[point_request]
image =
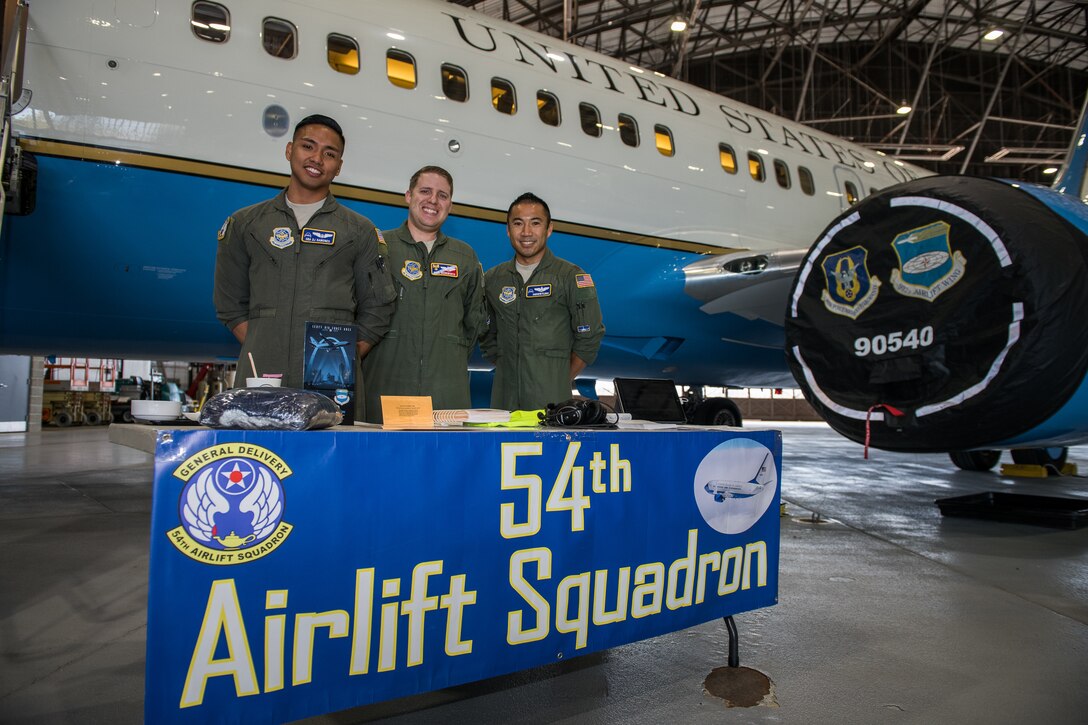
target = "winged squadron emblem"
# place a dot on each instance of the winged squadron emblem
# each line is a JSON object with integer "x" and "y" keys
{"x": 233, "y": 504}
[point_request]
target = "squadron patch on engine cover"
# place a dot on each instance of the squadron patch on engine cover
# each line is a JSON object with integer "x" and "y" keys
{"x": 927, "y": 265}
{"x": 850, "y": 288}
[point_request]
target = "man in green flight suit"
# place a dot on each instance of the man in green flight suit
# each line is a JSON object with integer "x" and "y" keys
{"x": 440, "y": 305}
{"x": 301, "y": 257}
{"x": 545, "y": 321}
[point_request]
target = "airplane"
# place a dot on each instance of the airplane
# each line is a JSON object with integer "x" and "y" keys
{"x": 962, "y": 329}
{"x": 723, "y": 489}
{"x": 140, "y": 126}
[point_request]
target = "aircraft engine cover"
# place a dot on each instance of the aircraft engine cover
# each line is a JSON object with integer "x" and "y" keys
{"x": 959, "y": 302}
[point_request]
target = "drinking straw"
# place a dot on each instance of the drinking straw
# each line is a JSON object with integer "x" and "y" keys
{"x": 253, "y": 365}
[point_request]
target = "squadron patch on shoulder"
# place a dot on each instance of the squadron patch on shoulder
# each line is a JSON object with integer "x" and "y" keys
{"x": 412, "y": 270}
{"x": 538, "y": 290}
{"x": 508, "y": 295}
{"x": 850, "y": 288}
{"x": 223, "y": 229}
{"x": 443, "y": 269}
{"x": 318, "y": 236}
{"x": 281, "y": 237}
{"x": 583, "y": 280}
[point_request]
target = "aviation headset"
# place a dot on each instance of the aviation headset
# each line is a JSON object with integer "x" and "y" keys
{"x": 579, "y": 413}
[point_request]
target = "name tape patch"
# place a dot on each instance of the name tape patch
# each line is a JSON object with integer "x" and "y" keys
{"x": 538, "y": 290}
{"x": 443, "y": 269}
{"x": 318, "y": 236}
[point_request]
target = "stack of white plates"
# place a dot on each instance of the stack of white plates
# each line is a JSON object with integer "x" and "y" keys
{"x": 156, "y": 411}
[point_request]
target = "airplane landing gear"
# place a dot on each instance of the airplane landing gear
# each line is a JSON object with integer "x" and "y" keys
{"x": 975, "y": 460}
{"x": 1041, "y": 456}
{"x": 710, "y": 411}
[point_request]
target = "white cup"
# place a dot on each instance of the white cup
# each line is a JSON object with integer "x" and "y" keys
{"x": 262, "y": 382}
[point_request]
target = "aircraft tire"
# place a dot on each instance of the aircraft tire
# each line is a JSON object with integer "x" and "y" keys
{"x": 975, "y": 460}
{"x": 62, "y": 419}
{"x": 718, "y": 411}
{"x": 1041, "y": 456}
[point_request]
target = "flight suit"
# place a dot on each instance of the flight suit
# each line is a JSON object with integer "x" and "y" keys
{"x": 534, "y": 327}
{"x": 278, "y": 277}
{"x": 440, "y": 309}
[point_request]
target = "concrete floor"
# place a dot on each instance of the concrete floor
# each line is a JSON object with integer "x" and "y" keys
{"x": 888, "y": 612}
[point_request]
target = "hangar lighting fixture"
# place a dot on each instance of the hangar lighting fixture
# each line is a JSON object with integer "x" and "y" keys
{"x": 993, "y": 34}
{"x": 678, "y": 25}
{"x": 1050, "y": 170}
{"x": 903, "y": 109}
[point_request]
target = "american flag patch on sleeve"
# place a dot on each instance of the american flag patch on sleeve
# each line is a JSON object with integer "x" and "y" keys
{"x": 583, "y": 280}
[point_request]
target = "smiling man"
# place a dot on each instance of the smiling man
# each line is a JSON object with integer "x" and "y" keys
{"x": 301, "y": 257}
{"x": 544, "y": 317}
{"x": 439, "y": 304}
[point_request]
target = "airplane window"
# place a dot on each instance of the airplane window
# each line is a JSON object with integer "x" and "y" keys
{"x": 628, "y": 129}
{"x": 782, "y": 173}
{"x": 591, "y": 119}
{"x": 454, "y": 83}
{"x": 805, "y": 177}
{"x": 728, "y": 157}
{"x": 343, "y": 54}
{"x": 210, "y": 21}
{"x": 547, "y": 105}
{"x": 400, "y": 68}
{"x": 755, "y": 167}
{"x": 502, "y": 96}
{"x": 851, "y": 192}
{"x": 663, "y": 136}
{"x": 278, "y": 37}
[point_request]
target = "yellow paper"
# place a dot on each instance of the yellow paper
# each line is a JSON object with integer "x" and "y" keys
{"x": 407, "y": 411}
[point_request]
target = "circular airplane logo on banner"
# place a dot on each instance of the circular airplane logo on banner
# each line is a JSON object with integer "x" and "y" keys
{"x": 735, "y": 485}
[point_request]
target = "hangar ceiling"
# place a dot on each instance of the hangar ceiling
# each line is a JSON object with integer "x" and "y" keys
{"x": 1000, "y": 107}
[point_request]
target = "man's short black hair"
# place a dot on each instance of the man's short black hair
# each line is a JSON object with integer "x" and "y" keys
{"x": 317, "y": 119}
{"x": 530, "y": 198}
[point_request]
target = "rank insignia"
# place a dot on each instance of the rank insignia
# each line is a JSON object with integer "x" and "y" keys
{"x": 412, "y": 270}
{"x": 318, "y": 236}
{"x": 281, "y": 237}
{"x": 508, "y": 295}
{"x": 443, "y": 269}
{"x": 583, "y": 280}
{"x": 538, "y": 290}
{"x": 927, "y": 264}
{"x": 850, "y": 288}
{"x": 223, "y": 229}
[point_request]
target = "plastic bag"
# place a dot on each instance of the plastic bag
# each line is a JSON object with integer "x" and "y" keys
{"x": 270, "y": 409}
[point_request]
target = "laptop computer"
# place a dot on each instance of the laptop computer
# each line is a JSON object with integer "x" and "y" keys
{"x": 649, "y": 399}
